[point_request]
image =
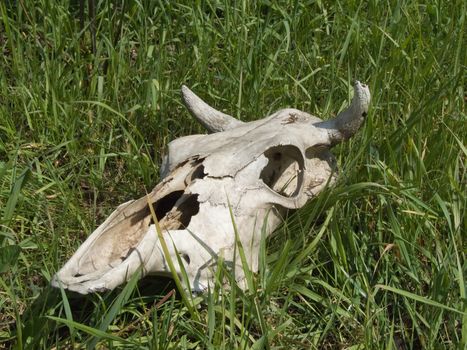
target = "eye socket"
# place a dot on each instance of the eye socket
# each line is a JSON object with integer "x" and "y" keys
{"x": 283, "y": 172}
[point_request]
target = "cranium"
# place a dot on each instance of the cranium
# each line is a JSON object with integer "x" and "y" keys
{"x": 247, "y": 174}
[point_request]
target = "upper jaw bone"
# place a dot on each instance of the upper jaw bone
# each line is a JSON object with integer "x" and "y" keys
{"x": 148, "y": 257}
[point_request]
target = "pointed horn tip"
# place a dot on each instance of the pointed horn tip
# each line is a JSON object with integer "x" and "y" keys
{"x": 362, "y": 95}
{"x": 347, "y": 122}
{"x": 185, "y": 90}
{"x": 189, "y": 98}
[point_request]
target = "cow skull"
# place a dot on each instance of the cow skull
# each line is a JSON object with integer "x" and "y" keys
{"x": 247, "y": 174}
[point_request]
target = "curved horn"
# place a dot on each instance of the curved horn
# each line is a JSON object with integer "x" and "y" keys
{"x": 210, "y": 118}
{"x": 347, "y": 122}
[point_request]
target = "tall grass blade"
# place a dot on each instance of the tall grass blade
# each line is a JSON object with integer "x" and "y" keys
{"x": 416, "y": 297}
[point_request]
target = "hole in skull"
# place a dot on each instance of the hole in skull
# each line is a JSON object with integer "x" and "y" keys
{"x": 165, "y": 204}
{"x": 186, "y": 257}
{"x": 317, "y": 151}
{"x": 188, "y": 207}
{"x": 198, "y": 173}
{"x": 282, "y": 171}
{"x": 320, "y": 154}
{"x": 175, "y": 210}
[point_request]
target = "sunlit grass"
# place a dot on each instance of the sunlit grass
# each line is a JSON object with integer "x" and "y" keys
{"x": 376, "y": 262}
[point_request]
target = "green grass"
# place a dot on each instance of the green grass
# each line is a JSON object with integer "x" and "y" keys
{"x": 377, "y": 262}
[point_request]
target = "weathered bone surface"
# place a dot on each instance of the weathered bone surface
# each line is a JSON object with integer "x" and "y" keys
{"x": 258, "y": 169}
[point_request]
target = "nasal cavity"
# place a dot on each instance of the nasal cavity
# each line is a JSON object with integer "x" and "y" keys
{"x": 174, "y": 211}
{"x": 198, "y": 173}
{"x": 165, "y": 204}
{"x": 187, "y": 207}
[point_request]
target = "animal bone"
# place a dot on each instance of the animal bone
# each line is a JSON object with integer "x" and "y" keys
{"x": 256, "y": 171}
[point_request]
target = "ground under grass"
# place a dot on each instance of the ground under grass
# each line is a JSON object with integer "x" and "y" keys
{"x": 89, "y": 99}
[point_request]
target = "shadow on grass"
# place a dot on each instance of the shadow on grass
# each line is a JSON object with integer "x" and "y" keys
{"x": 150, "y": 292}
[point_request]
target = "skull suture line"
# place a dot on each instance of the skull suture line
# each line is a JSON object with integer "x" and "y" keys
{"x": 260, "y": 169}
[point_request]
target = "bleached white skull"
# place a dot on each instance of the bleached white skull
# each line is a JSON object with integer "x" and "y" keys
{"x": 249, "y": 174}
